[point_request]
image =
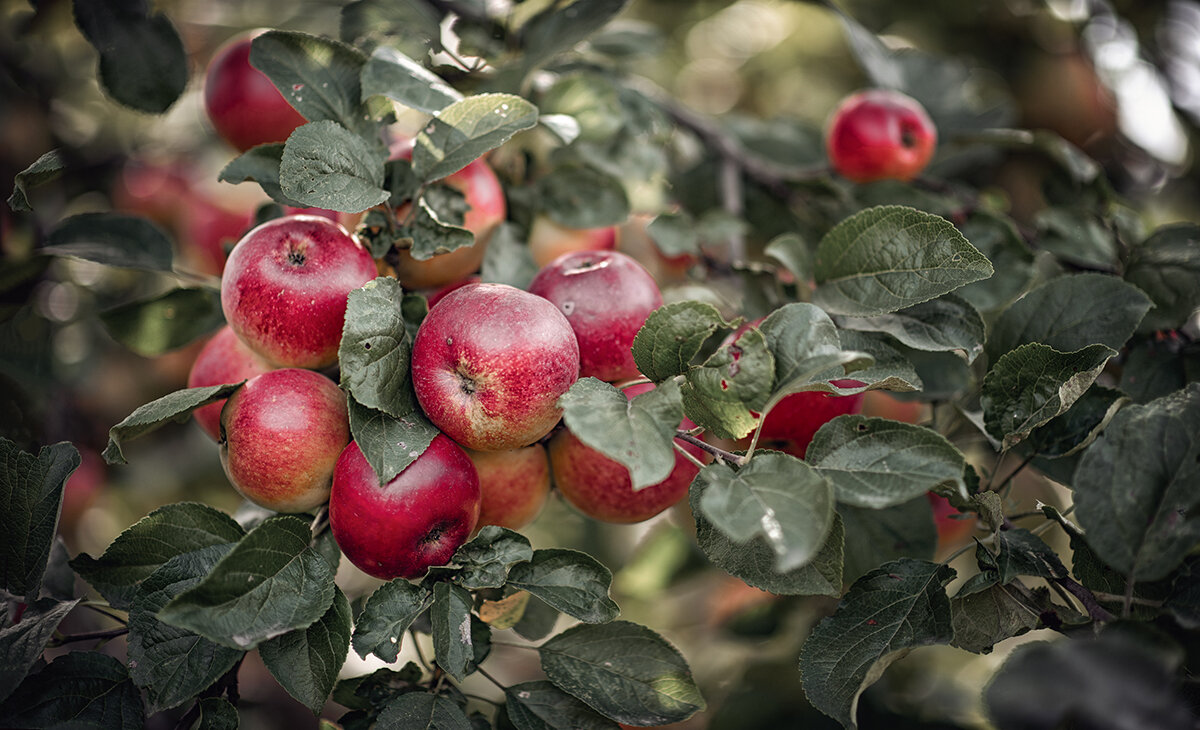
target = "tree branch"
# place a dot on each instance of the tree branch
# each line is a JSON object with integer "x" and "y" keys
{"x": 719, "y": 453}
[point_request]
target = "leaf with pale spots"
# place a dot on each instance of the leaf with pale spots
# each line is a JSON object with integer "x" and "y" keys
{"x": 450, "y": 615}
{"x": 389, "y": 443}
{"x": 375, "y": 347}
{"x": 724, "y": 394}
{"x": 671, "y": 337}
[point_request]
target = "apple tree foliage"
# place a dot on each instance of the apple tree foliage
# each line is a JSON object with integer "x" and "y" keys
{"x": 1056, "y": 348}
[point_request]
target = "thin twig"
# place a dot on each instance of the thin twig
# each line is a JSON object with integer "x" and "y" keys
{"x": 500, "y": 642}
{"x": 1114, "y": 598}
{"x": 490, "y": 678}
{"x": 688, "y": 455}
{"x": 1094, "y": 609}
{"x": 90, "y": 636}
{"x": 718, "y": 452}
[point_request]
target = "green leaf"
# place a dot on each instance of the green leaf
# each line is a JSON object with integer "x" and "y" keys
{"x": 143, "y": 63}
{"x": 172, "y": 664}
{"x": 22, "y": 643}
{"x": 623, "y": 671}
{"x": 271, "y": 583}
{"x": 436, "y": 227}
{"x": 674, "y": 234}
{"x": 463, "y": 131}
{"x": 59, "y": 580}
{"x": 1070, "y": 313}
{"x": 777, "y": 498}
{"x": 422, "y": 711}
{"x": 319, "y": 77}
{"x": 1023, "y": 553}
{"x": 998, "y": 239}
{"x": 171, "y": 530}
{"x": 1167, "y": 267}
{"x": 389, "y": 612}
{"x": 877, "y": 463}
{"x": 570, "y": 581}
{"x": 672, "y": 335}
{"x": 790, "y": 250}
{"x": 1077, "y": 235}
{"x": 563, "y": 126}
{"x": 324, "y": 165}
{"x": 507, "y": 260}
{"x": 807, "y": 350}
{"x": 1135, "y": 486}
{"x": 175, "y": 406}
{"x": 538, "y": 620}
{"x": 76, "y": 690}
{"x": 151, "y": 327}
{"x": 373, "y": 355}
{"x": 451, "y": 618}
{"x": 1035, "y": 383}
{"x": 390, "y": 73}
{"x": 1076, "y": 429}
{"x": 486, "y": 560}
{"x": 385, "y": 19}
{"x": 390, "y": 444}
{"x": 948, "y": 323}
{"x": 899, "y": 606}
{"x": 306, "y": 662}
{"x": 636, "y": 432}
{"x": 539, "y": 705}
{"x": 890, "y": 257}
{"x": 260, "y": 164}
{"x": 559, "y": 29}
{"x": 894, "y": 366}
{"x": 44, "y": 169}
{"x": 882, "y": 535}
{"x": 370, "y": 691}
{"x": 577, "y": 196}
{"x": 725, "y": 394}
{"x": 112, "y": 239}
{"x": 31, "y": 491}
{"x": 1154, "y": 368}
{"x": 984, "y": 618}
{"x": 217, "y": 713}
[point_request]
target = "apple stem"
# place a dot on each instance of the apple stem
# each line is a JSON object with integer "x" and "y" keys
{"x": 719, "y": 453}
{"x": 688, "y": 455}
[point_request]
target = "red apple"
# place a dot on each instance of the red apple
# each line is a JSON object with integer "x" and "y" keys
{"x": 414, "y": 521}
{"x": 224, "y": 359}
{"x": 880, "y": 134}
{"x": 208, "y": 229}
{"x": 285, "y": 287}
{"x": 245, "y": 107}
{"x": 606, "y": 296}
{"x": 281, "y": 435}
{"x": 792, "y": 423}
{"x": 548, "y": 240}
{"x": 435, "y": 297}
{"x": 953, "y": 527}
{"x": 152, "y": 189}
{"x": 489, "y": 364}
{"x": 601, "y": 488}
{"x": 514, "y": 485}
{"x": 882, "y": 404}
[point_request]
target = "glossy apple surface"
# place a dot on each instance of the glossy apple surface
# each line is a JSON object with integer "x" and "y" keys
{"x": 606, "y": 296}
{"x": 489, "y": 364}
{"x": 285, "y": 287}
{"x": 514, "y": 485}
{"x": 416, "y": 520}
{"x": 548, "y": 240}
{"x": 880, "y": 134}
{"x": 244, "y": 106}
{"x": 281, "y": 435}
{"x": 224, "y": 359}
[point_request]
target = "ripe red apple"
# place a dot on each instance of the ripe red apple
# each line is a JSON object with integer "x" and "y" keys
{"x": 880, "y": 134}
{"x": 953, "y": 527}
{"x": 882, "y": 404}
{"x": 208, "y": 229}
{"x": 790, "y": 426}
{"x": 601, "y": 488}
{"x": 224, "y": 359}
{"x": 606, "y": 296}
{"x": 285, "y": 287}
{"x": 489, "y": 364}
{"x": 514, "y": 485}
{"x": 281, "y": 435}
{"x": 548, "y": 240}
{"x": 414, "y": 521}
{"x": 245, "y": 107}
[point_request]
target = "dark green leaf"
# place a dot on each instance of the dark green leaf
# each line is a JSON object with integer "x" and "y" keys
{"x": 59, "y": 581}
{"x": 22, "y": 643}
{"x": 985, "y": 617}
{"x": 260, "y": 164}
{"x": 1023, "y": 553}
{"x": 947, "y": 323}
{"x": 31, "y": 491}
{"x": 466, "y": 129}
{"x": 1135, "y": 486}
{"x": 888, "y": 258}
{"x": 1079, "y": 426}
{"x": 807, "y": 350}
{"x": 422, "y": 711}
{"x": 559, "y": 28}
{"x": 790, "y": 250}
{"x": 487, "y": 558}
{"x": 153, "y": 326}
{"x": 899, "y": 606}
{"x": 624, "y": 671}
{"x": 998, "y": 239}
{"x": 306, "y": 662}
{"x": 674, "y": 234}
{"x": 389, "y": 444}
{"x": 539, "y": 705}
{"x": 416, "y": 23}
{"x": 507, "y": 260}
{"x": 1183, "y": 602}
{"x": 217, "y": 713}
{"x": 317, "y": 76}
{"x": 326, "y": 166}
{"x": 636, "y": 432}
{"x": 376, "y": 688}
{"x": 1077, "y": 235}
{"x": 537, "y": 621}
{"x": 1154, "y": 368}
{"x": 894, "y": 367}
{"x": 577, "y": 196}
{"x": 725, "y": 394}
{"x": 877, "y": 463}
{"x": 375, "y": 347}
{"x": 1070, "y": 313}
{"x": 113, "y": 239}
{"x": 672, "y": 336}
{"x": 172, "y": 664}
{"x": 451, "y": 618}
{"x": 1035, "y": 383}
{"x": 175, "y": 406}
{"x": 882, "y": 535}
{"x": 572, "y": 582}
{"x": 436, "y": 227}
{"x": 44, "y": 169}
{"x": 1167, "y": 267}
{"x": 390, "y": 73}
{"x": 77, "y": 690}
{"x": 389, "y": 612}
{"x": 143, "y": 63}
{"x": 271, "y": 583}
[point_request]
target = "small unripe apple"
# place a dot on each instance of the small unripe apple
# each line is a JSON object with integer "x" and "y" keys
{"x": 415, "y": 521}
{"x": 548, "y": 240}
{"x": 281, "y": 435}
{"x": 880, "y": 134}
{"x": 224, "y": 359}
{"x": 285, "y": 287}
{"x": 244, "y": 106}
{"x": 606, "y": 296}
{"x": 514, "y": 485}
{"x": 600, "y": 487}
{"x": 489, "y": 363}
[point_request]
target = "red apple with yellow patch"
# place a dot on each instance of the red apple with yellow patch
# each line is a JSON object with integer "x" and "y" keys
{"x": 224, "y": 359}
{"x": 514, "y": 485}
